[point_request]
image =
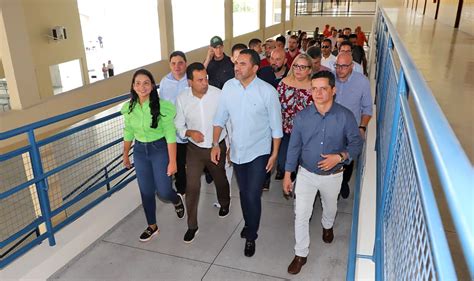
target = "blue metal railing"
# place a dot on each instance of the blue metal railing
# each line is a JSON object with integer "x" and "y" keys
{"x": 34, "y": 191}
{"x": 410, "y": 240}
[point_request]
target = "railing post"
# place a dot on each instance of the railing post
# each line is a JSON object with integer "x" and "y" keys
{"x": 106, "y": 175}
{"x": 41, "y": 187}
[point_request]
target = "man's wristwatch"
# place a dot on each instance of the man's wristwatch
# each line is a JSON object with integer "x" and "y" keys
{"x": 215, "y": 144}
{"x": 342, "y": 157}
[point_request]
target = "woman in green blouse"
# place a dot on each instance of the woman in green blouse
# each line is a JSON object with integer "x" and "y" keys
{"x": 150, "y": 122}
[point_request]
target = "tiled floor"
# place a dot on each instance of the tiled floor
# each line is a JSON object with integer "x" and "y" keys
{"x": 217, "y": 251}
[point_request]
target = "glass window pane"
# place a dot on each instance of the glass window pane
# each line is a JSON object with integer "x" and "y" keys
{"x": 246, "y": 16}
{"x": 123, "y": 31}
{"x": 287, "y": 13}
{"x": 272, "y": 12}
{"x": 194, "y": 29}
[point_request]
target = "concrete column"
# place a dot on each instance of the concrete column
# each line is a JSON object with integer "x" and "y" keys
{"x": 165, "y": 19}
{"x": 229, "y": 23}
{"x": 17, "y": 57}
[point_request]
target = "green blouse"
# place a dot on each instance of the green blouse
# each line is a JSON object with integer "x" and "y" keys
{"x": 137, "y": 123}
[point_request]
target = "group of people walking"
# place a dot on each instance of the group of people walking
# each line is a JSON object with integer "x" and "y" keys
{"x": 232, "y": 113}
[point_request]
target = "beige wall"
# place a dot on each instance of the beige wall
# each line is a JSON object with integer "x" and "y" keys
{"x": 40, "y": 17}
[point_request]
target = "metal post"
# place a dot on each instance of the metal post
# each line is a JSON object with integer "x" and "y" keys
{"x": 41, "y": 187}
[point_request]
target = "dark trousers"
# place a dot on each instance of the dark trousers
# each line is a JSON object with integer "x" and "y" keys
{"x": 180, "y": 175}
{"x": 151, "y": 164}
{"x": 250, "y": 178}
{"x": 346, "y": 176}
{"x": 197, "y": 158}
{"x": 111, "y": 72}
{"x": 285, "y": 141}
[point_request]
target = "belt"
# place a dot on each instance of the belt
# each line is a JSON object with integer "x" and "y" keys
{"x": 333, "y": 173}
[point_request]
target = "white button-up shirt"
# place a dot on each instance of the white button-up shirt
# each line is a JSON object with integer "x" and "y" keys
{"x": 329, "y": 61}
{"x": 193, "y": 113}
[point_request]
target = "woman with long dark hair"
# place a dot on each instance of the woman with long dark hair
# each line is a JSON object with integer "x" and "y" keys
{"x": 150, "y": 122}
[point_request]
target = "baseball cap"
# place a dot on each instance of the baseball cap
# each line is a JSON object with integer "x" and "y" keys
{"x": 216, "y": 41}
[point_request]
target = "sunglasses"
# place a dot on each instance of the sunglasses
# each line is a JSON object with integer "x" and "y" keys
{"x": 325, "y": 47}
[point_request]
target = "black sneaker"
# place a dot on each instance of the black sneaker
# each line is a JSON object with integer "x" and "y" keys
{"x": 249, "y": 248}
{"x": 180, "y": 207}
{"x": 243, "y": 232}
{"x": 345, "y": 190}
{"x": 148, "y": 234}
{"x": 190, "y": 235}
{"x": 266, "y": 186}
{"x": 224, "y": 211}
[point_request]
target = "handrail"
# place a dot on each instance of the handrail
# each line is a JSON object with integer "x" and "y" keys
{"x": 454, "y": 168}
{"x": 61, "y": 117}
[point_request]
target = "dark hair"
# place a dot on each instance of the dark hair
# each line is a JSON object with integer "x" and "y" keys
{"x": 294, "y": 37}
{"x": 254, "y": 57}
{"x": 352, "y": 36}
{"x": 178, "y": 53}
{"x": 345, "y": 43}
{"x": 254, "y": 42}
{"x": 154, "y": 98}
{"x": 281, "y": 39}
{"x": 238, "y": 46}
{"x": 195, "y": 66}
{"x": 325, "y": 74}
{"x": 345, "y": 37}
{"x": 311, "y": 42}
{"x": 328, "y": 41}
{"x": 314, "y": 52}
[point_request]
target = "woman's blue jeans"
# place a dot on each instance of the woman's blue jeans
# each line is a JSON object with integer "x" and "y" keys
{"x": 151, "y": 164}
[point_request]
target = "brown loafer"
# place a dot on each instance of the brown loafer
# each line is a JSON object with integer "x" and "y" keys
{"x": 328, "y": 235}
{"x": 296, "y": 265}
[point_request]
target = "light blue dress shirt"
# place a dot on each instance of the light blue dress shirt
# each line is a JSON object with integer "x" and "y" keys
{"x": 170, "y": 88}
{"x": 354, "y": 94}
{"x": 255, "y": 116}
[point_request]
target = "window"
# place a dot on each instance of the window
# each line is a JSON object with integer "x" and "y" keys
{"x": 123, "y": 31}
{"x": 273, "y": 12}
{"x": 287, "y": 14}
{"x": 194, "y": 29}
{"x": 66, "y": 76}
{"x": 246, "y": 16}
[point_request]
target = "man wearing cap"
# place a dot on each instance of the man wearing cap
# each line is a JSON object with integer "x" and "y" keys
{"x": 219, "y": 66}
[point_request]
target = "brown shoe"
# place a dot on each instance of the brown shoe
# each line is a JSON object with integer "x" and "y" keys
{"x": 328, "y": 235}
{"x": 296, "y": 265}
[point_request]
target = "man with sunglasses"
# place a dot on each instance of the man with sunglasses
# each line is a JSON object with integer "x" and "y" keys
{"x": 327, "y": 58}
{"x": 353, "y": 92}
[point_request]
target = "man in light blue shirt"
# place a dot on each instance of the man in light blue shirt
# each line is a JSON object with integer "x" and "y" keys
{"x": 353, "y": 92}
{"x": 253, "y": 108}
{"x": 170, "y": 87}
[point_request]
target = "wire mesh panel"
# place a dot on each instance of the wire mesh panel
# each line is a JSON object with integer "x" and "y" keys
{"x": 407, "y": 250}
{"x": 410, "y": 240}
{"x": 53, "y": 181}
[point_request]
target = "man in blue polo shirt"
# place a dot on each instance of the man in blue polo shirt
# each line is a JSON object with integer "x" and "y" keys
{"x": 353, "y": 92}
{"x": 324, "y": 137}
{"x": 253, "y": 108}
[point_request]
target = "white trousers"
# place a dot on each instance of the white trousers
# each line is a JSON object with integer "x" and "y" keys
{"x": 306, "y": 188}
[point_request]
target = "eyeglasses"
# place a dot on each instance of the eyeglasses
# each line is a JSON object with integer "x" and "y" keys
{"x": 342, "y": 66}
{"x": 301, "y": 67}
{"x": 325, "y": 47}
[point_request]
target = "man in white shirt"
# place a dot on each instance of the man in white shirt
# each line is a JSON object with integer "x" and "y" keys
{"x": 328, "y": 60}
{"x": 195, "y": 110}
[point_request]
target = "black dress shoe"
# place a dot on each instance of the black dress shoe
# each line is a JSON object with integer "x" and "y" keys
{"x": 249, "y": 248}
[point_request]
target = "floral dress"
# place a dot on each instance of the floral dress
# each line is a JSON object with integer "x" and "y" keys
{"x": 292, "y": 101}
